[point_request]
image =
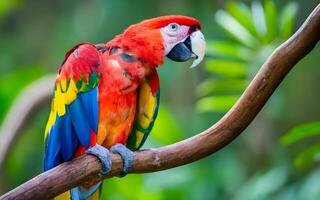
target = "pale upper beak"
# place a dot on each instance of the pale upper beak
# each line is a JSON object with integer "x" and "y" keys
{"x": 194, "y": 46}
{"x": 198, "y": 47}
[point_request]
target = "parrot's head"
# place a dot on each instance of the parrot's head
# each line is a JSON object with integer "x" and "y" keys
{"x": 177, "y": 37}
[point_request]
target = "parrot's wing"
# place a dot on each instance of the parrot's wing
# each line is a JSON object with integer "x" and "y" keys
{"x": 73, "y": 119}
{"x": 147, "y": 110}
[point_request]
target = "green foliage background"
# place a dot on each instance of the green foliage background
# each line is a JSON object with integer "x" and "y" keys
{"x": 276, "y": 157}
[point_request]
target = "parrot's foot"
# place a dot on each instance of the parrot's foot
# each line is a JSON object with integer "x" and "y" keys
{"x": 126, "y": 155}
{"x": 103, "y": 154}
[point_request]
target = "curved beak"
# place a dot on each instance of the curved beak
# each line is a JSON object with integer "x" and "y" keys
{"x": 198, "y": 47}
{"x": 193, "y": 46}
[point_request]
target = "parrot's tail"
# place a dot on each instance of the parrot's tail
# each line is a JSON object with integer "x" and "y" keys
{"x": 82, "y": 193}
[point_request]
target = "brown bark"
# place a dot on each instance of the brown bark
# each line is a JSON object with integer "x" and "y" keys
{"x": 273, "y": 71}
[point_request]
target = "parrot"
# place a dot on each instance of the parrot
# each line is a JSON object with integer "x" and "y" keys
{"x": 106, "y": 96}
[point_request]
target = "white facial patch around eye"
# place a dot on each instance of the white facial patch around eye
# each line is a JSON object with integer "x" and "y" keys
{"x": 172, "y": 37}
{"x": 173, "y": 29}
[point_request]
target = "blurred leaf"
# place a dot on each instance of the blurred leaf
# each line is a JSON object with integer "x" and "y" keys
{"x": 258, "y": 17}
{"x": 223, "y": 85}
{"x": 271, "y": 19}
{"x": 254, "y": 34}
{"x": 261, "y": 186}
{"x": 242, "y": 14}
{"x": 164, "y": 125}
{"x": 301, "y": 132}
{"x": 7, "y": 5}
{"x": 228, "y": 50}
{"x": 234, "y": 29}
{"x": 308, "y": 155}
{"x": 12, "y": 84}
{"x": 174, "y": 177}
{"x": 309, "y": 187}
{"x": 217, "y": 104}
{"x": 287, "y": 19}
{"x": 111, "y": 185}
{"x": 226, "y": 68}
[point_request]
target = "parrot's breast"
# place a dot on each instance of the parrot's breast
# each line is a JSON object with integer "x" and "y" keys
{"x": 121, "y": 75}
{"x": 116, "y": 116}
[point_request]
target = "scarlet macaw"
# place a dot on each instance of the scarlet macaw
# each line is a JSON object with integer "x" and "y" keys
{"x": 108, "y": 94}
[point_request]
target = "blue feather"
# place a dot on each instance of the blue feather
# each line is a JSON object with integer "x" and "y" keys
{"x": 72, "y": 128}
{"x": 80, "y": 122}
{"x": 53, "y": 147}
{"x": 95, "y": 109}
{"x": 89, "y": 103}
{"x": 69, "y": 141}
{"x": 81, "y": 118}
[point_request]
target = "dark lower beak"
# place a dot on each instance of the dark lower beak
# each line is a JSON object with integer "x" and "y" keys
{"x": 193, "y": 47}
{"x": 182, "y": 51}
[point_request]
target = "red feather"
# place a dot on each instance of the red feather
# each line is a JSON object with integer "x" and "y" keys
{"x": 153, "y": 81}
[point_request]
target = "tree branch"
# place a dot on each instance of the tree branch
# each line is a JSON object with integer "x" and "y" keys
{"x": 273, "y": 71}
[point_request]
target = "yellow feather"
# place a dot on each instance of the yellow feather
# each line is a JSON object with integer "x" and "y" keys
{"x": 150, "y": 106}
{"x": 63, "y": 196}
{"x": 50, "y": 123}
{"x": 95, "y": 196}
{"x": 71, "y": 93}
{"x": 63, "y": 84}
{"x": 139, "y": 137}
{"x": 63, "y": 96}
{"x": 61, "y": 99}
{"x": 147, "y": 104}
{"x": 58, "y": 102}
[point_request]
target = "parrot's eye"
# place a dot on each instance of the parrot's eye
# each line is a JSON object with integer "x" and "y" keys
{"x": 173, "y": 27}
